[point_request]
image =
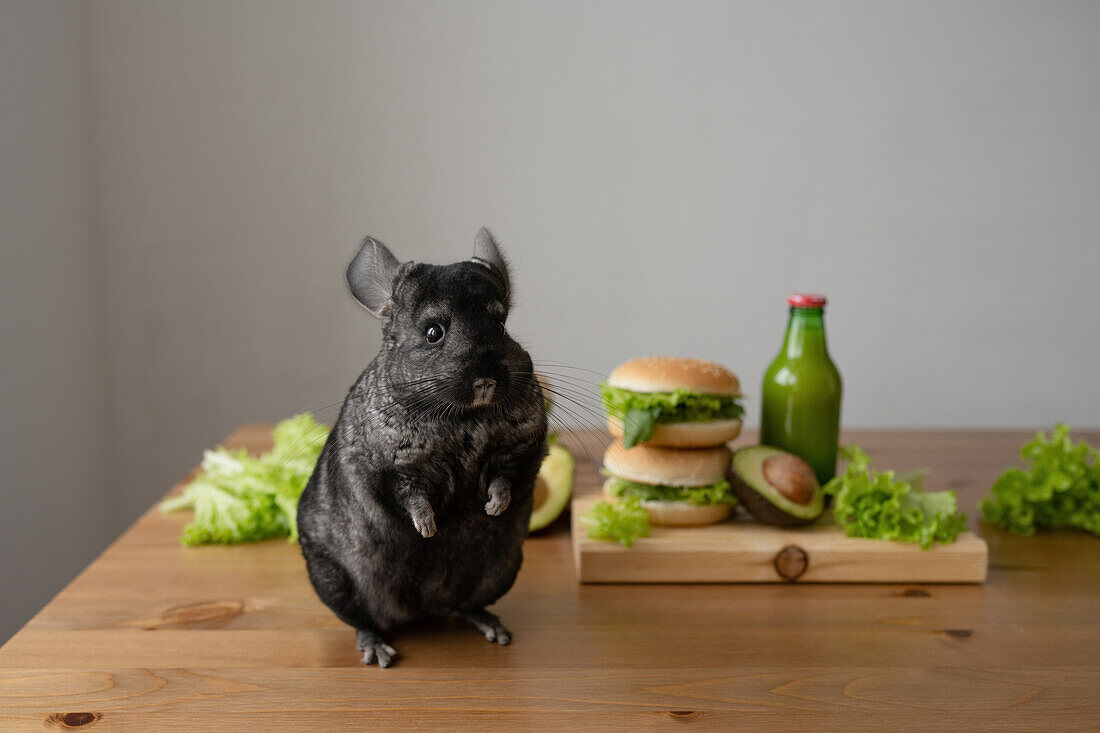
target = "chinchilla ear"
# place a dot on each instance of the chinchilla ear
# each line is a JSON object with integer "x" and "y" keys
{"x": 487, "y": 252}
{"x": 370, "y": 277}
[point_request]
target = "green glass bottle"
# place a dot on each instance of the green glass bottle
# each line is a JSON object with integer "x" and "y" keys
{"x": 801, "y": 393}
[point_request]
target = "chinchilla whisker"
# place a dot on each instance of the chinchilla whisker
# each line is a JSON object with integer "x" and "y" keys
{"x": 572, "y": 434}
{"x": 592, "y": 408}
{"x": 428, "y": 379}
{"x": 579, "y": 395}
{"x": 580, "y": 385}
{"x": 581, "y": 419}
{"x": 573, "y": 394}
{"x": 393, "y": 407}
{"x": 433, "y": 387}
{"x": 422, "y": 395}
{"x": 575, "y": 439}
{"x": 409, "y": 386}
{"x": 593, "y": 416}
{"x": 582, "y": 400}
{"x": 598, "y": 462}
{"x": 571, "y": 378}
{"x": 321, "y": 407}
{"x": 575, "y": 442}
{"x": 315, "y": 410}
{"x": 583, "y": 384}
{"x": 315, "y": 434}
{"x": 565, "y": 366}
{"x": 432, "y": 410}
{"x": 447, "y": 412}
{"x": 554, "y": 368}
{"x": 589, "y": 389}
{"x": 589, "y": 409}
{"x": 414, "y": 408}
{"x": 568, "y": 425}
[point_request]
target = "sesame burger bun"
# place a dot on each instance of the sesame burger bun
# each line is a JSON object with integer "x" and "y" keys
{"x": 667, "y": 374}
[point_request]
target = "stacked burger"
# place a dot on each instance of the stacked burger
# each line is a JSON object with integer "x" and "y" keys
{"x": 672, "y": 418}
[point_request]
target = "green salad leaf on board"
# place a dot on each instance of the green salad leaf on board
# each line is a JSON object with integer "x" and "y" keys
{"x": 878, "y": 505}
{"x": 242, "y": 498}
{"x": 622, "y": 522}
{"x": 1060, "y": 488}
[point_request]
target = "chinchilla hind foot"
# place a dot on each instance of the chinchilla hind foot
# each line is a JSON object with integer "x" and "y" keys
{"x": 489, "y": 625}
{"x": 374, "y": 649}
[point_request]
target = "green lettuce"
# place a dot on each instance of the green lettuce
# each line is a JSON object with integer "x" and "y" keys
{"x": 875, "y": 505}
{"x": 622, "y": 522}
{"x": 716, "y": 493}
{"x": 641, "y": 411}
{"x": 242, "y": 498}
{"x": 1061, "y": 488}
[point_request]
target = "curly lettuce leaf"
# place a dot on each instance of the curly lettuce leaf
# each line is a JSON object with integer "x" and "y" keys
{"x": 876, "y": 505}
{"x": 242, "y": 498}
{"x": 622, "y": 522}
{"x": 716, "y": 493}
{"x": 1060, "y": 489}
{"x": 641, "y": 411}
{"x": 224, "y": 516}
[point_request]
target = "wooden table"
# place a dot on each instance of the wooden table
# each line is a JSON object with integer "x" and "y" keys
{"x": 153, "y": 636}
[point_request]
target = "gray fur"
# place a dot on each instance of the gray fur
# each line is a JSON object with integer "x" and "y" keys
{"x": 420, "y": 501}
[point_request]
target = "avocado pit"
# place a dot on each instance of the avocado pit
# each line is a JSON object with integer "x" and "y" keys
{"x": 791, "y": 476}
{"x": 777, "y": 487}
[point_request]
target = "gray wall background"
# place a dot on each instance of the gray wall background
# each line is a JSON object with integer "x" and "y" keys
{"x": 184, "y": 183}
{"x": 55, "y": 514}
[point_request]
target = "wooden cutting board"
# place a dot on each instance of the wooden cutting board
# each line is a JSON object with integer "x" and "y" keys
{"x": 742, "y": 551}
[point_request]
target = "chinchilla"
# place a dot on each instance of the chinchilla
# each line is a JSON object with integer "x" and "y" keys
{"x": 421, "y": 498}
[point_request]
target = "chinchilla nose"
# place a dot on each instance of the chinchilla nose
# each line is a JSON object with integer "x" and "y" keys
{"x": 483, "y": 390}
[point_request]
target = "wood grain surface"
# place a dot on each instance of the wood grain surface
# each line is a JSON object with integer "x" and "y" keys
{"x": 153, "y": 636}
{"x": 740, "y": 550}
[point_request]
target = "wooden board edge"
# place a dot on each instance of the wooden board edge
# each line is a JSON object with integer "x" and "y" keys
{"x": 712, "y": 566}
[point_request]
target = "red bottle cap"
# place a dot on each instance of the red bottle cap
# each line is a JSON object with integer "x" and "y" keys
{"x": 806, "y": 300}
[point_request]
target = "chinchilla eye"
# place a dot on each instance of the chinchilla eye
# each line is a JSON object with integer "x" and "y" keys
{"x": 500, "y": 326}
{"x": 434, "y": 333}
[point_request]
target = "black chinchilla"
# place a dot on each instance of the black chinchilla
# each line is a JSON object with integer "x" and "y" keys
{"x": 420, "y": 501}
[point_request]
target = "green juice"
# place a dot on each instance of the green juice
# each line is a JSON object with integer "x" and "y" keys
{"x": 802, "y": 389}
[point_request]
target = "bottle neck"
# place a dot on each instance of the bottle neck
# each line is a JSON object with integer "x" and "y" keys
{"x": 805, "y": 334}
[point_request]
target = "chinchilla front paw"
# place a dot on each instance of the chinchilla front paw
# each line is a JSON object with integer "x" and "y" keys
{"x": 421, "y": 513}
{"x": 425, "y": 524}
{"x": 500, "y": 496}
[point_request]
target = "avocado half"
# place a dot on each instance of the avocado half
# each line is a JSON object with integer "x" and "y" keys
{"x": 553, "y": 487}
{"x": 777, "y": 487}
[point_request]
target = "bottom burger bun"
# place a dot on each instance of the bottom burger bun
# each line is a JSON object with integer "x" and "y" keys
{"x": 667, "y": 466}
{"x": 681, "y": 513}
{"x": 685, "y": 434}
